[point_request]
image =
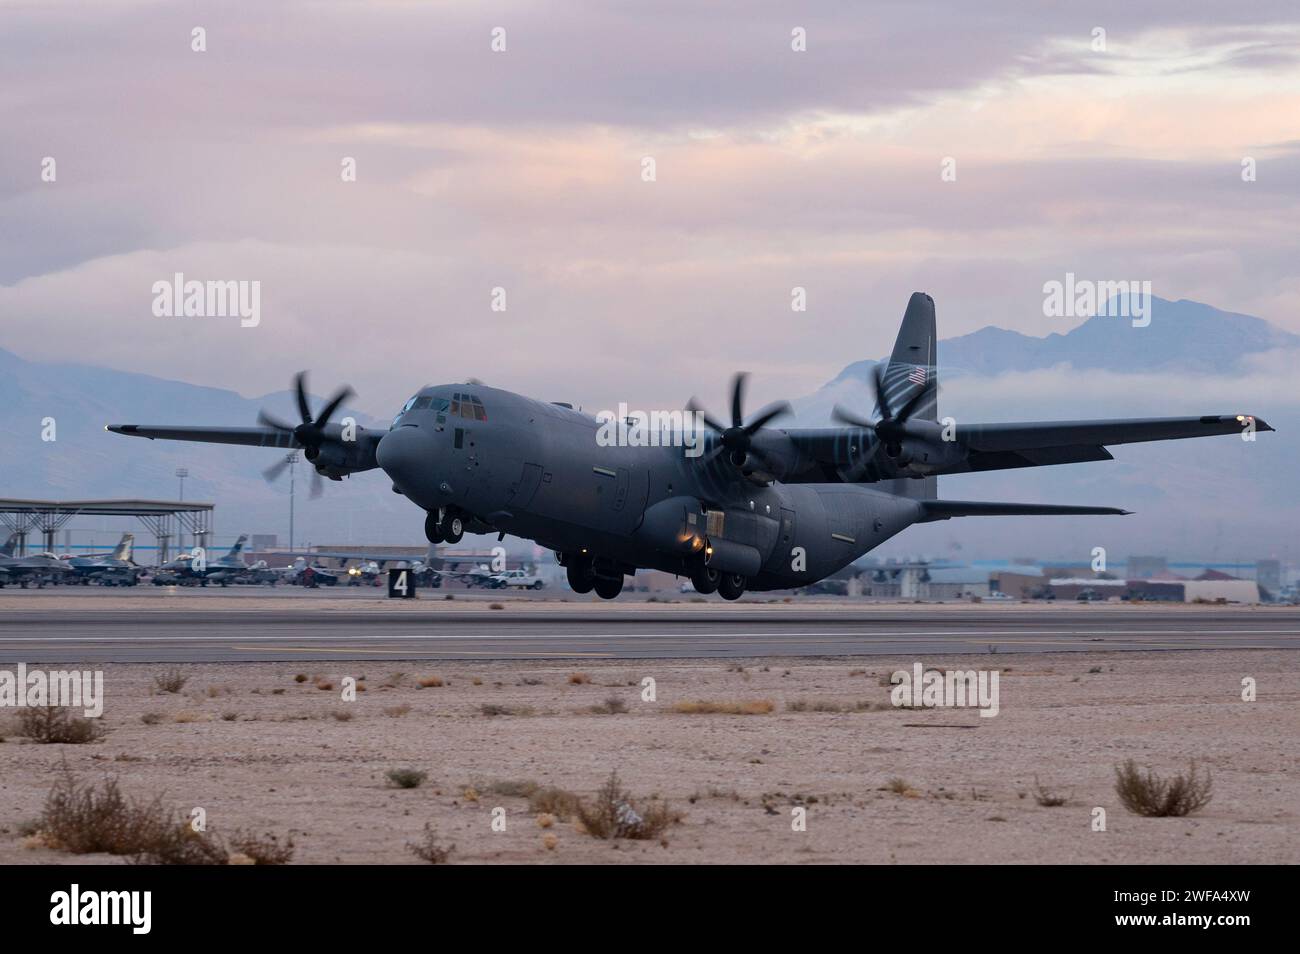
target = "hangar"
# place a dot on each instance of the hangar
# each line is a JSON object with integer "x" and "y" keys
{"x": 167, "y": 520}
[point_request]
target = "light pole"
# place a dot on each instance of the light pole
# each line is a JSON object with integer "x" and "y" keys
{"x": 293, "y": 462}
{"x": 181, "y": 473}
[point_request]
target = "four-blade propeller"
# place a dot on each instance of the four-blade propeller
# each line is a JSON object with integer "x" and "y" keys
{"x": 737, "y": 441}
{"x": 310, "y": 434}
{"x": 891, "y": 426}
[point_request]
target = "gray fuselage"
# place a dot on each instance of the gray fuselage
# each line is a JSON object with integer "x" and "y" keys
{"x": 539, "y": 471}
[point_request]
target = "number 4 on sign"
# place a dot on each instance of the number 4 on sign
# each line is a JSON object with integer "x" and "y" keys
{"x": 401, "y": 585}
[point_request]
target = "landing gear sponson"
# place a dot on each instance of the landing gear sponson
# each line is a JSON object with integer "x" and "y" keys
{"x": 587, "y": 572}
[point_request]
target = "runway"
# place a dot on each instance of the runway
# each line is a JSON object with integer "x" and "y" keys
{"x": 243, "y": 631}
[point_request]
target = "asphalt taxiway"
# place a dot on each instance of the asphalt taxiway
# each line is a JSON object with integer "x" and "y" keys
{"x": 45, "y": 627}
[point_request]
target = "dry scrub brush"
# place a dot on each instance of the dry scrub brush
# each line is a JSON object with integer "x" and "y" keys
{"x": 707, "y": 707}
{"x": 170, "y": 681}
{"x": 406, "y": 777}
{"x": 1150, "y": 795}
{"x": 84, "y": 818}
{"x": 612, "y": 813}
{"x": 429, "y": 848}
{"x": 554, "y": 801}
{"x": 57, "y": 724}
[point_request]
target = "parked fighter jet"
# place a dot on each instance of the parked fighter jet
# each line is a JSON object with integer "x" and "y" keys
{"x": 477, "y": 576}
{"x": 187, "y": 569}
{"x": 761, "y": 508}
{"x": 111, "y": 569}
{"x": 39, "y": 568}
{"x": 301, "y": 573}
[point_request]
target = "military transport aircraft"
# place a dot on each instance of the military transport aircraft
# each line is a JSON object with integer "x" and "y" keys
{"x": 761, "y": 508}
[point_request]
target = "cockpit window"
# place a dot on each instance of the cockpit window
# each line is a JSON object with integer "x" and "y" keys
{"x": 468, "y": 406}
{"x": 440, "y": 405}
{"x": 472, "y": 408}
{"x": 405, "y": 407}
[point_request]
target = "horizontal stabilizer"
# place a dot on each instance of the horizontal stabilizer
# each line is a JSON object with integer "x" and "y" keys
{"x": 945, "y": 509}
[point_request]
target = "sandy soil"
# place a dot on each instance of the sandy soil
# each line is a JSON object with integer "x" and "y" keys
{"x": 264, "y": 752}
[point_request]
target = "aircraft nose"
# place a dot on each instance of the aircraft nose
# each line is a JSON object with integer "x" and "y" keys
{"x": 407, "y": 455}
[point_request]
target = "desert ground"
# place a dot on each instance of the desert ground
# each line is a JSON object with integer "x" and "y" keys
{"x": 274, "y": 747}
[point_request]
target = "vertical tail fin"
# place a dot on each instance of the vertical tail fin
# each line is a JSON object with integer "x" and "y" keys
{"x": 10, "y": 545}
{"x": 912, "y": 373}
{"x": 913, "y": 376}
{"x": 124, "y": 548}
{"x": 238, "y": 548}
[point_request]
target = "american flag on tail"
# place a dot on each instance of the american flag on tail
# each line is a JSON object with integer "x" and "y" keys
{"x": 916, "y": 375}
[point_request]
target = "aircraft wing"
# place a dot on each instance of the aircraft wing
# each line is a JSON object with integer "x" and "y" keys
{"x": 1035, "y": 444}
{"x": 249, "y": 436}
{"x": 829, "y": 454}
{"x": 1001, "y": 437}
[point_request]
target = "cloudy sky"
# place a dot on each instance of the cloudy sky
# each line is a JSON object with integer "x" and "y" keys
{"x": 523, "y": 169}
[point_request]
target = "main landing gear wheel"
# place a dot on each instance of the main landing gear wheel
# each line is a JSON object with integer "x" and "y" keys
{"x": 607, "y": 589}
{"x": 452, "y": 527}
{"x": 579, "y": 574}
{"x": 705, "y": 579}
{"x": 731, "y": 586}
{"x": 431, "y": 531}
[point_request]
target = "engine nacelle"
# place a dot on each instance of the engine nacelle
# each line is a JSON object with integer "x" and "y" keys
{"x": 338, "y": 458}
{"x": 922, "y": 449}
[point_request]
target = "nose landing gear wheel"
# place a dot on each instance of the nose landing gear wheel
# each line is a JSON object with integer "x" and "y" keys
{"x": 431, "y": 530}
{"x": 705, "y": 580}
{"x": 731, "y": 586}
{"x": 452, "y": 527}
{"x": 607, "y": 589}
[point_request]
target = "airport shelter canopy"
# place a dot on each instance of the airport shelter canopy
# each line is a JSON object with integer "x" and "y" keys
{"x": 163, "y": 518}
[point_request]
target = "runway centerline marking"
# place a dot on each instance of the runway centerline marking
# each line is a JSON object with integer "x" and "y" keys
{"x": 370, "y": 649}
